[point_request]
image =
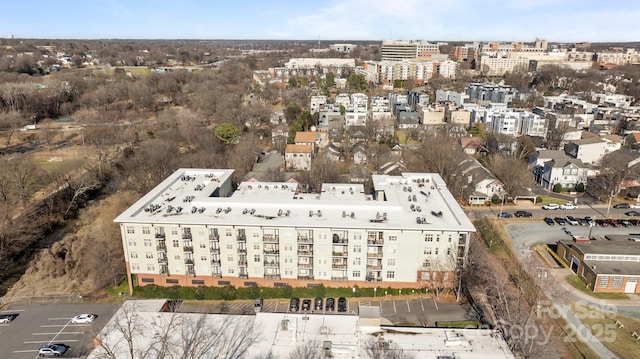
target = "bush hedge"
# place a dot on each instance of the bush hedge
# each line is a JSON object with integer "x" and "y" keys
{"x": 232, "y": 293}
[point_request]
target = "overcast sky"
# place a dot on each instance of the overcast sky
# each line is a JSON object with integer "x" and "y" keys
{"x": 453, "y": 20}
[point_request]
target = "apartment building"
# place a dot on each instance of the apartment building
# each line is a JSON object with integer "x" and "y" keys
{"x": 193, "y": 229}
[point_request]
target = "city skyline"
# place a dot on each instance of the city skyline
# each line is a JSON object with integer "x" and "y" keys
{"x": 455, "y": 20}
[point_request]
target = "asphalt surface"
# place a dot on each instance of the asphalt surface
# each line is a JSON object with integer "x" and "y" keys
{"x": 40, "y": 324}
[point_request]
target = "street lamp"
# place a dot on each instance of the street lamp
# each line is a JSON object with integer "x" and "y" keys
{"x": 374, "y": 291}
{"x": 591, "y": 225}
{"x": 354, "y": 291}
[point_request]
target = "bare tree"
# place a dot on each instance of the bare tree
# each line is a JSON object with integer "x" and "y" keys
{"x": 511, "y": 171}
{"x": 308, "y": 350}
{"x": 378, "y": 348}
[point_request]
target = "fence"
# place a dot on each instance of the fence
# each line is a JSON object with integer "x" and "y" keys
{"x": 66, "y": 298}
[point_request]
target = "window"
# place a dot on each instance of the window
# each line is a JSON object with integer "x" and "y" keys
{"x": 147, "y": 243}
{"x": 617, "y": 282}
{"x": 256, "y": 259}
{"x": 149, "y": 255}
{"x": 356, "y": 273}
{"x": 449, "y": 250}
{"x": 133, "y": 254}
{"x": 391, "y": 274}
{"x": 229, "y": 246}
{"x": 202, "y": 245}
{"x": 391, "y": 261}
{"x": 174, "y": 231}
{"x": 230, "y": 271}
{"x": 288, "y": 247}
{"x": 436, "y": 250}
{"x": 356, "y": 261}
{"x": 428, "y": 237}
{"x": 288, "y": 259}
{"x": 449, "y": 238}
{"x": 357, "y": 248}
{"x": 604, "y": 281}
{"x": 203, "y": 258}
{"x": 256, "y": 246}
{"x": 428, "y": 250}
{"x": 393, "y": 238}
{"x": 146, "y": 230}
{"x": 132, "y": 243}
{"x": 176, "y": 257}
{"x": 176, "y": 243}
{"x": 425, "y": 276}
{"x": 426, "y": 263}
{"x": 135, "y": 266}
{"x": 256, "y": 234}
{"x": 228, "y": 232}
{"x": 151, "y": 267}
{"x": 131, "y": 230}
{"x": 438, "y": 238}
{"x": 230, "y": 258}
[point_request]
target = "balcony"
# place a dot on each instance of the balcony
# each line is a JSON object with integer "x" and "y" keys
{"x": 242, "y": 263}
{"x": 339, "y": 279}
{"x": 341, "y": 241}
{"x": 375, "y": 242}
{"x": 376, "y": 267}
{"x": 188, "y": 261}
{"x": 305, "y": 277}
{"x": 215, "y": 250}
{"x": 270, "y": 238}
{"x": 271, "y": 251}
{"x": 161, "y": 247}
{"x": 214, "y": 237}
{"x": 374, "y": 254}
{"x": 339, "y": 266}
{"x": 162, "y": 260}
{"x": 305, "y": 265}
{"x": 191, "y": 273}
{"x": 164, "y": 273}
{"x": 160, "y": 235}
{"x": 371, "y": 278}
{"x": 241, "y": 239}
{"x": 215, "y": 262}
{"x": 272, "y": 264}
{"x": 187, "y": 236}
{"x": 216, "y": 275}
{"x": 243, "y": 275}
{"x": 272, "y": 276}
{"x": 242, "y": 250}
{"x": 188, "y": 249}
{"x": 340, "y": 254}
{"x": 305, "y": 239}
{"x": 305, "y": 252}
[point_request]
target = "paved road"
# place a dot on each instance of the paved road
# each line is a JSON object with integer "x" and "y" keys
{"x": 39, "y": 324}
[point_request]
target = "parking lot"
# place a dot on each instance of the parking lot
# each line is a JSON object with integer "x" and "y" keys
{"x": 404, "y": 311}
{"x": 39, "y": 324}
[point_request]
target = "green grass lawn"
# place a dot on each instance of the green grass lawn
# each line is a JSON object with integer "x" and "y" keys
{"x": 579, "y": 284}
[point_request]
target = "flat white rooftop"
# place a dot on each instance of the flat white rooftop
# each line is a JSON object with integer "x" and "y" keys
{"x": 416, "y": 201}
{"x": 281, "y": 334}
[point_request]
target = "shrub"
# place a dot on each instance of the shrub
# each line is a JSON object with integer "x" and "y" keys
{"x": 557, "y": 188}
{"x": 580, "y": 187}
{"x": 495, "y": 199}
{"x": 538, "y": 199}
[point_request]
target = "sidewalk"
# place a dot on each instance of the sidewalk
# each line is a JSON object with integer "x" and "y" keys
{"x": 559, "y": 275}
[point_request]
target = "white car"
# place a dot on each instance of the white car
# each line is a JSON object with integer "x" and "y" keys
{"x": 634, "y": 205}
{"x": 551, "y": 206}
{"x": 83, "y": 318}
{"x": 568, "y": 205}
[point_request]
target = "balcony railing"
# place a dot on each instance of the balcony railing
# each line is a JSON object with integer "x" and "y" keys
{"x": 305, "y": 277}
{"x": 374, "y": 267}
{"x": 305, "y": 265}
{"x": 214, "y": 237}
{"x": 272, "y": 276}
{"x": 270, "y": 238}
{"x": 216, "y": 275}
{"x": 187, "y": 236}
{"x": 243, "y": 275}
{"x": 188, "y": 249}
{"x": 304, "y": 239}
{"x": 188, "y": 261}
{"x": 160, "y": 235}
{"x": 375, "y": 242}
{"x": 271, "y": 251}
{"x": 215, "y": 262}
{"x": 242, "y": 250}
{"x": 374, "y": 279}
{"x": 272, "y": 264}
{"x": 339, "y": 266}
{"x": 164, "y": 273}
{"x": 162, "y": 260}
{"x": 339, "y": 279}
{"x": 341, "y": 240}
{"x": 305, "y": 252}
{"x": 161, "y": 247}
{"x": 340, "y": 254}
{"x": 215, "y": 250}
{"x": 374, "y": 254}
{"x": 191, "y": 273}
{"x": 242, "y": 263}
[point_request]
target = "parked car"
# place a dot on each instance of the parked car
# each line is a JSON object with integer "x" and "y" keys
{"x": 525, "y": 214}
{"x": 572, "y": 220}
{"x": 7, "y": 318}
{"x": 634, "y": 205}
{"x": 549, "y": 221}
{"x": 602, "y": 223}
{"x": 633, "y": 213}
{"x": 624, "y": 222}
{"x": 634, "y": 222}
{"x": 342, "y": 304}
{"x": 504, "y": 215}
{"x": 568, "y": 205}
{"x": 583, "y": 221}
{"x": 613, "y": 222}
{"x": 294, "y": 304}
{"x": 257, "y": 305}
{"x": 561, "y": 221}
{"x": 317, "y": 304}
{"x": 53, "y": 350}
{"x": 83, "y": 318}
{"x": 330, "y": 305}
{"x": 306, "y": 305}
{"x": 551, "y": 206}
{"x": 622, "y": 205}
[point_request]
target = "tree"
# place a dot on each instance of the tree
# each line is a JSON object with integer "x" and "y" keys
{"x": 227, "y": 133}
{"x": 477, "y": 129}
{"x": 511, "y": 171}
{"x": 292, "y": 112}
{"x": 378, "y": 348}
{"x": 557, "y": 188}
{"x": 357, "y": 82}
{"x": 555, "y": 136}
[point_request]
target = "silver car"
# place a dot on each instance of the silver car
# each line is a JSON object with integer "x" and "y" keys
{"x": 53, "y": 350}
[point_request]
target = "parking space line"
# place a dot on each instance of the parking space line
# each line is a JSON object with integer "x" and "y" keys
{"x": 394, "y": 307}
{"x": 49, "y": 342}
{"x": 70, "y": 333}
{"x": 63, "y": 325}
{"x": 421, "y": 304}
{"x": 436, "y": 303}
{"x": 12, "y": 310}
{"x": 408, "y": 306}
{"x": 26, "y": 351}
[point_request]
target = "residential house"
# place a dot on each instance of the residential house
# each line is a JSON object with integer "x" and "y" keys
{"x": 317, "y": 103}
{"x": 472, "y": 145}
{"x": 310, "y": 138}
{"x": 298, "y": 157}
{"x": 591, "y": 150}
{"x": 359, "y": 154}
{"x": 483, "y": 184}
{"x": 552, "y": 167}
{"x": 431, "y": 114}
{"x": 279, "y": 135}
{"x": 632, "y": 140}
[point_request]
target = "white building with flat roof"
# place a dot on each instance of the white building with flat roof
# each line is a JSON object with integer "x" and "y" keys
{"x": 193, "y": 229}
{"x": 283, "y": 335}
